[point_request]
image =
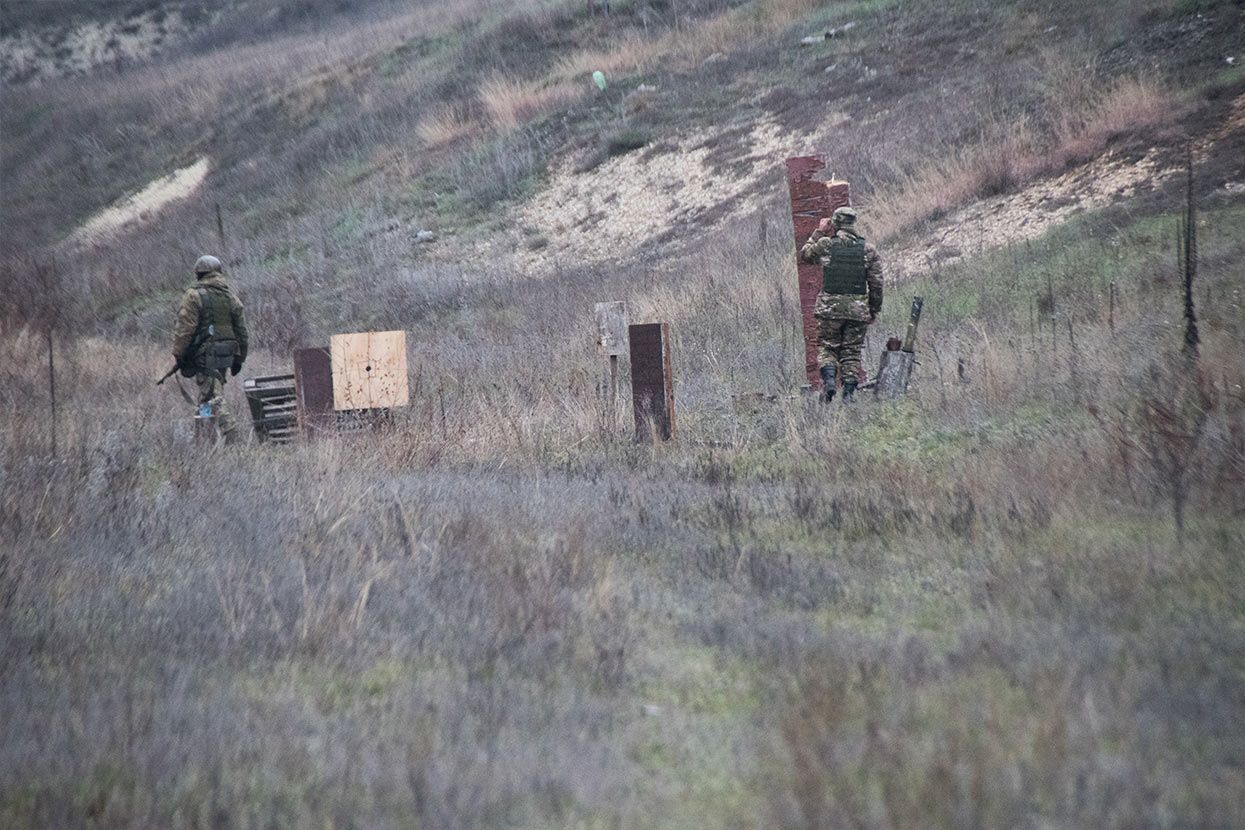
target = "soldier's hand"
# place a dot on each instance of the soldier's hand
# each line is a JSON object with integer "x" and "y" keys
{"x": 873, "y": 317}
{"x": 235, "y": 368}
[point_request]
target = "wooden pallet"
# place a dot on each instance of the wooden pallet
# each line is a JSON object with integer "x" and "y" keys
{"x": 274, "y": 408}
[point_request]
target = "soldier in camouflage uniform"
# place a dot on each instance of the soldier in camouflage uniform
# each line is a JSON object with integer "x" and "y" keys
{"x": 850, "y": 299}
{"x": 210, "y": 337}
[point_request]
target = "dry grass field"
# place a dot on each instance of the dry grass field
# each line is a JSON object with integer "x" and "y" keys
{"x": 1011, "y": 599}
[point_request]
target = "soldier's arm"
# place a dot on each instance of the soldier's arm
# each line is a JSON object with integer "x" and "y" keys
{"x": 873, "y": 275}
{"x": 187, "y": 323}
{"x": 808, "y": 251}
{"x": 239, "y": 328}
{"x": 815, "y": 248}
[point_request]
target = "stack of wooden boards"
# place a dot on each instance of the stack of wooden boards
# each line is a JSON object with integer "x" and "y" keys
{"x": 273, "y": 408}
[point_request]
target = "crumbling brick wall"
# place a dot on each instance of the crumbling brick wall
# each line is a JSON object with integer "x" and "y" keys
{"x": 811, "y": 201}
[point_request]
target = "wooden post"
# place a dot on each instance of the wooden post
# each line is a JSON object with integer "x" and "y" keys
{"x": 811, "y": 201}
{"x": 1111, "y": 307}
{"x": 50, "y": 280}
{"x": 52, "y": 385}
{"x": 1052, "y": 310}
{"x": 611, "y": 319}
{"x": 1072, "y": 364}
{"x": 220, "y": 230}
{"x": 1032, "y": 329}
{"x": 652, "y": 381}
{"x": 1189, "y": 266}
{"x": 895, "y": 369}
{"x": 613, "y": 386}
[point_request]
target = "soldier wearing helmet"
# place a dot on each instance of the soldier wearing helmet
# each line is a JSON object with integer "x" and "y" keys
{"x": 210, "y": 337}
{"x": 850, "y": 298}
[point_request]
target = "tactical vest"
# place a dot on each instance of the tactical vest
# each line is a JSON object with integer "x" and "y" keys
{"x": 845, "y": 272}
{"x": 215, "y": 334}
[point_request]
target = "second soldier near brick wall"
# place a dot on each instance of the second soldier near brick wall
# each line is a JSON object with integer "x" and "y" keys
{"x": 210, "y": 338}
{"x": 850, "y": 298}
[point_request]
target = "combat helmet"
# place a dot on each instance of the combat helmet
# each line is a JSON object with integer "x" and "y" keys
{"x": 206, "y": 264}
{"x": 843, "y": 217}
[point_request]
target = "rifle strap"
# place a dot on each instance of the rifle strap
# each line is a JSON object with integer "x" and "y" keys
{"x": 185, "y": 395}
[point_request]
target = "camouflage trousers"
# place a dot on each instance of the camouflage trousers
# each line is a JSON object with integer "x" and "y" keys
{"x": 212, "y": 391}
{"x": 839, "y": 343}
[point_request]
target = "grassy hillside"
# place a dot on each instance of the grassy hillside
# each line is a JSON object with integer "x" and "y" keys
{"x": 1011, "y": 599}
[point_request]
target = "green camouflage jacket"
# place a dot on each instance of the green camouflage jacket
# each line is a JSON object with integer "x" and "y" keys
{"x": 845, "y": 306}
{"x": 188, "y": 316}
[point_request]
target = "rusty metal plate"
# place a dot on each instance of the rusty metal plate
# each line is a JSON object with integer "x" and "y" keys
{"x": 652, "y": 381}
{"x": 811, "y": 201}
{"x": 313, "y": 384}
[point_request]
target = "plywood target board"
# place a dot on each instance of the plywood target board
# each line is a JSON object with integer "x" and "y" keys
{"x": 369, "y": 370}
{"x": 611, "y": 328}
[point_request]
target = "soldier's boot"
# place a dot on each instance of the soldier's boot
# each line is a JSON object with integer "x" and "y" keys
{"x": 849, "y": 389}
{"x": 827, "y": 383}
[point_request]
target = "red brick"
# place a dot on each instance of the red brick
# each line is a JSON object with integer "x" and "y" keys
{"x": 811, "y": 201}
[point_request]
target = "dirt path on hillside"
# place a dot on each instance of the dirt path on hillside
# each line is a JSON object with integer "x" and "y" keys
{"x": 143, "y": 205}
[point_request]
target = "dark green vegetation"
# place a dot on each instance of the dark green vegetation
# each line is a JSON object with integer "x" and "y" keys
{"x": 972, "y": 608}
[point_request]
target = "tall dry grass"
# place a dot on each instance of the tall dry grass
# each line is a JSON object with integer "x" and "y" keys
{"x": 1011, "y": 153}
{"x": 510, "y": 102}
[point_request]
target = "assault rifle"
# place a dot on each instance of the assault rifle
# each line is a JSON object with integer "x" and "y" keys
{"x": 191, "y": 348}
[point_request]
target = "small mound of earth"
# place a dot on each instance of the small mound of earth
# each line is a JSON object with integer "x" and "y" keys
{"x": 1004, "y": 220}
{"x": 144, "y": 204}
